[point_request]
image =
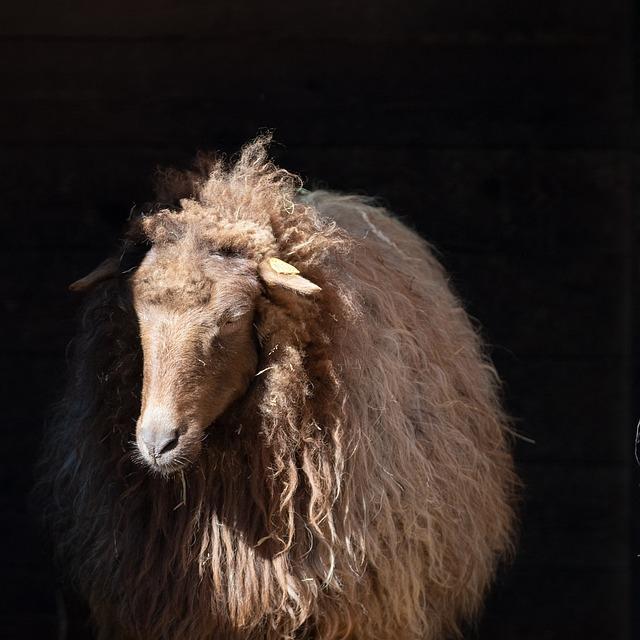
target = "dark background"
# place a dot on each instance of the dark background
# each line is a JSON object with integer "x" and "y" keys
{"x": 502, "y": 129}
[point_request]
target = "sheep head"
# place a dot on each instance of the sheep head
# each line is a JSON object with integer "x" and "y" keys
{"x": 196, "y": 311}
{"x": 198, "y": 272}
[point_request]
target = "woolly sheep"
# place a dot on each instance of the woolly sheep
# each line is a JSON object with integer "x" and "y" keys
{"x": 280, "y": 423}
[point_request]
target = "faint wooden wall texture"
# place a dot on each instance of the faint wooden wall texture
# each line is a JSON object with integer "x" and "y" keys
{"x": 501, "y": 129}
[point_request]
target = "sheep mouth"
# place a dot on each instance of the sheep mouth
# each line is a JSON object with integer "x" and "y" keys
{"x": 168, "y": 468}
{"x": 168, "y": 463}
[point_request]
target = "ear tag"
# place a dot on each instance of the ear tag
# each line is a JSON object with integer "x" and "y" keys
{"x": 280, "y": 266}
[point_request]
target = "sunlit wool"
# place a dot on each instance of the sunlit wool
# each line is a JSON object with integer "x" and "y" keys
{"x": 361, "y": 485}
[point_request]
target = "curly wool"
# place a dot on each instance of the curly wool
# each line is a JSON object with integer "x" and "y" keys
{"x": 363, "y": 486}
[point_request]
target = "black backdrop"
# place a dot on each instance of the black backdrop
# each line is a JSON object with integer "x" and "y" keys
{"x": 503, "y": 130}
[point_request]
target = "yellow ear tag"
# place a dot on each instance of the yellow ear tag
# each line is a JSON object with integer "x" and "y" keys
{"x": 280, "y": 266}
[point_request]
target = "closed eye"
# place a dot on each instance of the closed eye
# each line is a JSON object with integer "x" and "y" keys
{"x": 231, "y": 322}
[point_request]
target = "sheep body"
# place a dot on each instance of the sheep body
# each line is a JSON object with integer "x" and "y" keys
{"x": 361, "y": 489}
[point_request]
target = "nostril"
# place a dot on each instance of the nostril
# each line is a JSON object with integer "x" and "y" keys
{"x": 159, "y": 442}
{"x": 167, "y": 443}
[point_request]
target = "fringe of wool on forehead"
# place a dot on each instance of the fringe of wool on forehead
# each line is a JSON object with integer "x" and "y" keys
{"x": 365, "y": 488}
{"x": 250, "y": 206}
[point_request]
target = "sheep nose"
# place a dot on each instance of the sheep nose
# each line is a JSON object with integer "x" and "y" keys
{"x": 158, "y": 442}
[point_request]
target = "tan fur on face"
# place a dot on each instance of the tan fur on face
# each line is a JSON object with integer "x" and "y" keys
{"x": 359, "y": 487}
{"x": 195, "y": 309}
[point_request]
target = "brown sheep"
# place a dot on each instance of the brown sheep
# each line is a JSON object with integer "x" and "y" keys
{"x": 319, "y": 450}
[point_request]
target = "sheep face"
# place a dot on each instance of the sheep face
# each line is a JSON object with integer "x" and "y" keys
{"x": 195, "y": 311}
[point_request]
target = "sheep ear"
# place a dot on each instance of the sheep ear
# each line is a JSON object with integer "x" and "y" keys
{"x": 105, "y": 270}
{"x": 277, "y": 273}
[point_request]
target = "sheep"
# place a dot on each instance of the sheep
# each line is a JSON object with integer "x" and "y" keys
{"x": 280, "y": 423}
